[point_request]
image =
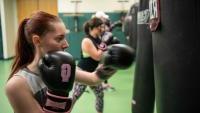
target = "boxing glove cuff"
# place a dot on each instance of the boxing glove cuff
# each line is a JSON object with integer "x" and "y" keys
{"x": 57, "y": 104}
{"x": 104, "y": 73}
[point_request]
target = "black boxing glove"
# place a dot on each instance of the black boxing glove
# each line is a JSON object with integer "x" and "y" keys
{"x": 109, "y": 39}
{"x": 106, "y": 39}
{"x": 105, "y": 72}
{"x": 58, "y": 72}
{"x": 118, "y": 56}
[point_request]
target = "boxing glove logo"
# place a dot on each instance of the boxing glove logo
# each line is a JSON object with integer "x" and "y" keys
{"x": 65, "y": 72}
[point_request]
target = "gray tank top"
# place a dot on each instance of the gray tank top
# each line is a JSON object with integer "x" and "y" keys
{"x": 35, "y": 83}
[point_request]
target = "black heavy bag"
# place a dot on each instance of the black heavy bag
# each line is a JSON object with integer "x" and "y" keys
{"x": 176, "y": 47}
{"x": 130, "y": 26}
{"x": 143, "y": 87}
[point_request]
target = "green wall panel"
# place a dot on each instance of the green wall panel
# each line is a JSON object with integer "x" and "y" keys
{"x": 1, "y": 42}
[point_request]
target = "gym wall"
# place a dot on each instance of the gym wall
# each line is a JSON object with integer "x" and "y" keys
{"x": 8, "y": 28}
{"x": 1, "y": 43}
{"x": 67, "y": 6}
{"x": 84, "y": 10}
{"x": 12, "y": 13}
{"x": 74, "y": 37}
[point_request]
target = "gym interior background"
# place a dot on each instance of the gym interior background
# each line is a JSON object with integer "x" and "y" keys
{"x": 74, "y": 13}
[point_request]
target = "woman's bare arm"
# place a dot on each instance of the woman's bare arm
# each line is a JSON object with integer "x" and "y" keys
{"x": 102, "y": 73}
{"x": 87, "y": 77}
{"x": 21, "y": 97}
{"x": 88, "y": 47}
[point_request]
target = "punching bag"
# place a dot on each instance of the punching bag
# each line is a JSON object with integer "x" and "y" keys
{"x": 176, "y": 47}
{"x": 143, "y": 87}
{"x": 130, "y": 26}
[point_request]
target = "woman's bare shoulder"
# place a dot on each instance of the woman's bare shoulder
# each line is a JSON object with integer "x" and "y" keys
{"x": 86, "y": 40}
{"x": 15, "y": 85}
{"x": 20, "y": 96}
